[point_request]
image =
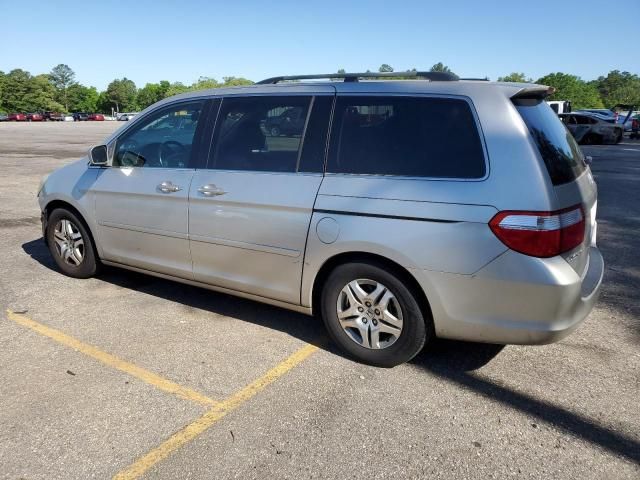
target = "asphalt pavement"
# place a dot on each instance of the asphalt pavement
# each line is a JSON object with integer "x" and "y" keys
{"x": 130, "y": 376}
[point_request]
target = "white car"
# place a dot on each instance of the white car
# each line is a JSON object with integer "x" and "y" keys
{"x": 67, "y": 118}
{"x": 125, "y": 117}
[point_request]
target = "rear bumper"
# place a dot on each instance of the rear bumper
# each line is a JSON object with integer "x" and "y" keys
{"x": 515, "y": 299}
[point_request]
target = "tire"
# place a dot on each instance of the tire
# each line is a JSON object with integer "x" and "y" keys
{"x": 391, "y": 349}
{"x": 618, "y": 138}
{"x": 275, "y": 132}
{"x": 65, "y": 228}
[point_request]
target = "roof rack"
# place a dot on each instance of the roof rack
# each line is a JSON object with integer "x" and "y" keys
{"x": 354, "y": 77}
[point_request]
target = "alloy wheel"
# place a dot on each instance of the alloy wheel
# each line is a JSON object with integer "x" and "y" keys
{"x": 69, "y": 242}
{"x": 370, "y": 314}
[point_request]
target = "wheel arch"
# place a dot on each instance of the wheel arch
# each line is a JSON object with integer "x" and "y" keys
{"x": 57, "y": 203}
{"x": 365, "y": 257}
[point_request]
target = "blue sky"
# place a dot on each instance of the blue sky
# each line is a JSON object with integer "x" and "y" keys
{"x": 148, "y": 41}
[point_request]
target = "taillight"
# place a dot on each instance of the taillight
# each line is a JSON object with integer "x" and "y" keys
{"x": 634, "y": 124}
{"x": 540, "y": 234}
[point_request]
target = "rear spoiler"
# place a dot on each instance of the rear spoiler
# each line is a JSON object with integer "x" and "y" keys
{"x": 538, "y": 92}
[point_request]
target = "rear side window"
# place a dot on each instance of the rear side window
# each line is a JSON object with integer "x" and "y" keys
{"x": 558, "y": 149}
{"x": 407, "y": 136}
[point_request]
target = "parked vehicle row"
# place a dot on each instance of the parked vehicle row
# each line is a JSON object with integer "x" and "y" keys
{"x": 398, "y": 211}
{"x": 52, "y": 117}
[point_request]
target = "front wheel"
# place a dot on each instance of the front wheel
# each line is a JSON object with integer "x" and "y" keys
{"x": 373, "y": 316}
{"x": 70, "y": 244}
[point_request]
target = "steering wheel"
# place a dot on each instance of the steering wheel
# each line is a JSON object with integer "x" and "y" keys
{"x": 169, "y": 149}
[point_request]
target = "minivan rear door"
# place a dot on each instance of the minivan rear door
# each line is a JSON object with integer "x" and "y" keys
{"x": 571, "y": 177}
{"x": 251, "y": 205}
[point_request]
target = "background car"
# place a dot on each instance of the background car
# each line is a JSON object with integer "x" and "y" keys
{"x": 289, "y": 122}
{"x": 54, "y": 116}
{"x": 96, "y": 117}
{"x": 80, "y": 116}
{"x": 603, "y": 113}
{"x": 588, "y": 129}
{"x": 35, "y": 117}
{"x": 125, "y": 117}
{"x": 67, "y": 118}
{"x": 3, "y": 117}
{"x": 17, "y": 117}
{"x": 635, "y": 127}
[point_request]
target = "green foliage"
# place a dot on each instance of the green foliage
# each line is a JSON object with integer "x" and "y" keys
{"x": 440, "y": 67}
{"x": 152, "y": 93}
{"x": 618, "y": 88}
{"x": 235, "y": 82}
{"x": 572, "y": 88}
{"x": 62, "y": 77}
{"x": 515, "y": 77}
{"x": 22, "y": 92}
{"x": 121, "y": 94}
{"x": 82, "y": 99}
{"x": 58, "y": 91}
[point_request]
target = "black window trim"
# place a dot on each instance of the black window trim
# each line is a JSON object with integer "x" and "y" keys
{"x": 209, "y": 164}
{"x": 465, "y": 98}
{"x": 198, "y": 138}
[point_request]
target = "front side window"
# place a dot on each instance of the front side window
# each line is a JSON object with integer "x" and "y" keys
{"x": 407, "y": 136}
{"x": 260, "y": 133}
{"x": 163, "y": 140}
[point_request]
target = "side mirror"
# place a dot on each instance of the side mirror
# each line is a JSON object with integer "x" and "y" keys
{"x": 98, "y": 156}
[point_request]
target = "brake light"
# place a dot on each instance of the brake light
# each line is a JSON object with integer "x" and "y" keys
{"x": 540, "y": 234}
{"x": 634, "y": 124}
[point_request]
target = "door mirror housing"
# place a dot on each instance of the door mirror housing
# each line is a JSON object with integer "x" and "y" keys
{"x": 98, "y": 156}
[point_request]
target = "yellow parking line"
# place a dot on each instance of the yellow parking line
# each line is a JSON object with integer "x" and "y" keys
{"x": 194, "y": 429}
{"x": 111, "y": 360}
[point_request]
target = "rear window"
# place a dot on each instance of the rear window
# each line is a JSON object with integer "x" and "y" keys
{"x": 407, "y": 136}
{"x": 558, "y": 149}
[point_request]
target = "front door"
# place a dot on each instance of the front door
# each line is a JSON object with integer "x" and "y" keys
{"x": 250, "y": 211}
{"x": 142, "y": 200}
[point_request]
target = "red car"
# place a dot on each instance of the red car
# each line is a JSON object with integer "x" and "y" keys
{"x": 35, "y": 117}
{"x": 17, "y": 117}
{"x": 96, "y": 117}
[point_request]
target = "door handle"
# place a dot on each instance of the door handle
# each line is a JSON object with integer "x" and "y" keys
{"x": 211, "y": 190}
{"x": 168, "y": 187}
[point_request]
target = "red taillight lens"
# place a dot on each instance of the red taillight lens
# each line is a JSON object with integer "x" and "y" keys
{"x": 540, "y": 234}
{"x": 634, "y": 124}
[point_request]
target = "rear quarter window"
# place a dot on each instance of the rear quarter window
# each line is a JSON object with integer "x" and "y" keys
{"x": 557, "y": 147}
{"x": 406, "y": 136}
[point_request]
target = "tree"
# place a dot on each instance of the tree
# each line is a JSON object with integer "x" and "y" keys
{"x": 235, "y": 81}
{"x": 2, "y": 107}
{"x": 440, "y": 67}
{"x": 176, "y": 88}
{"x": 152, "y": 93}
{"x": 83, "y": 99}
{"x": 515, "y": 77}
{"x": 40, "y": 95}
{"x": 16, "y": 85}
{"x": 619, "y": 88}
{"x": 385, "y": 68}
{"x": 121, "y": 93}
{"x": 572, "y": 88}
{"x": 62, "y": 77}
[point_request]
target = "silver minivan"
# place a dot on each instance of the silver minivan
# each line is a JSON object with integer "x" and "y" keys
{"x": 396, "y": 210}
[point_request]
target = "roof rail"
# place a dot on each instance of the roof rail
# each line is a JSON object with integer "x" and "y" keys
{"x": 354, "y": 77}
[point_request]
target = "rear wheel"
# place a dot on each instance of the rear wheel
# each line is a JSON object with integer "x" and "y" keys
{"x": 373, "y": 316}
{"x": 71, "y": 245}
{"x": 618, "y": 138}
